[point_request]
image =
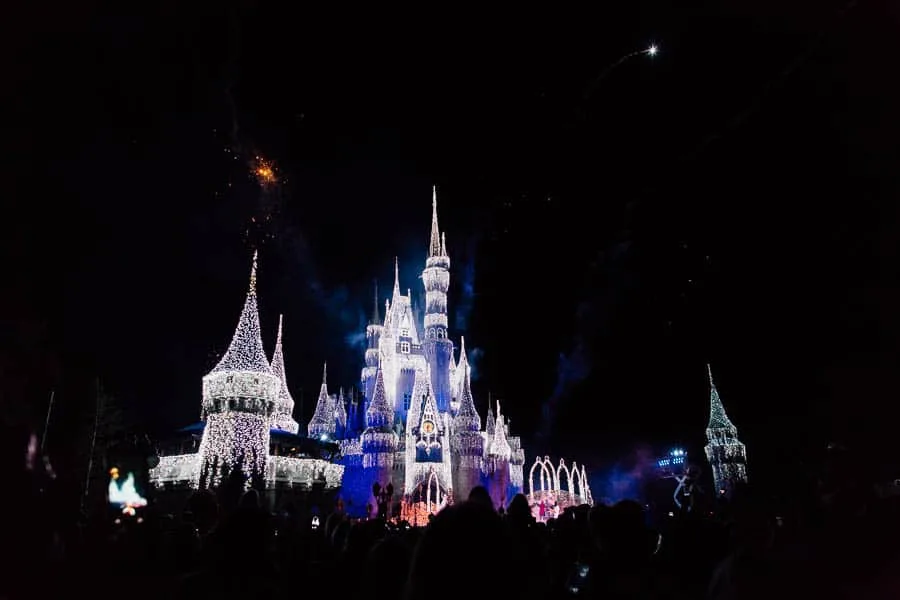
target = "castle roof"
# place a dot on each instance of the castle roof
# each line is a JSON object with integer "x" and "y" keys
{"x": 246, "y": 353}
{"x": 718, "y": 419}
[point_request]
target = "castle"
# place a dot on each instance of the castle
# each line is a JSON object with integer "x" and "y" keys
{"x": 418, "y": 429}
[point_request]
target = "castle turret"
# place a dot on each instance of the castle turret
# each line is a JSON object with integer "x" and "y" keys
{"x": 468, "y": 441}
{"x": 379, "y": 442}
{"x": 373, "y": 338}
{"x": 321, "y": 425}
{"x": 727, "y": 455}
{"x": 340, "y": 416}
{"x": 498, "y": 460}
{"x": 239, "y": 398}
{"x": 283, "y": 417}
{"x": 437, "y": 347}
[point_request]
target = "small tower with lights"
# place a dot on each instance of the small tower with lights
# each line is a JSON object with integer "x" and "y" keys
{"x": 283, "y": 417}
{"x": 239, "y": 398}
{"x": 467, "y": 441}
{"x": 379, "y": 441}
{"x": 322, "y": 423}
{"x": 727, "y": 455}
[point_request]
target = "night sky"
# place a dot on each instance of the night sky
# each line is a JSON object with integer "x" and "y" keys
{"x": 731, "y": 200}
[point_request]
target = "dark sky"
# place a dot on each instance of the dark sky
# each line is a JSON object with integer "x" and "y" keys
{"x": 732, "y": 200}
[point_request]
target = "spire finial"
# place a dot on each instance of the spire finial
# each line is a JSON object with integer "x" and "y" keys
{"x": 709, "y": 371}
{"x": 252, "y": 291}
{"x": 434, "y": 248}
{"x": 325, "y": 374}
{"x": 280, "y": 323}
{"x": 444, "y": 243}
{"x": 376, "y": 318}
{"x": 396, "y": 276}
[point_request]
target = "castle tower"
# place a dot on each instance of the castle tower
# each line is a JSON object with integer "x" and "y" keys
{"x": 322, "y": 425}
{"x": 379, "y": 442}
{"x": 497, "y": 463}
{"x": 437, "y": 347}
{"x": 373, "y": 338}
{"x": 340, "y": 416}
{"x": 727, "y": 455}
{"x": 239, "y": 398}
{"x": 283, "y": 417}
{"x": 468, "y": 441}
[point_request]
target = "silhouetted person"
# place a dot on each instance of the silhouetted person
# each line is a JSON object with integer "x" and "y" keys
{"x": 386, "y": 568}
{"x": 469, "y": 532}
{"x": 480, "y": 495}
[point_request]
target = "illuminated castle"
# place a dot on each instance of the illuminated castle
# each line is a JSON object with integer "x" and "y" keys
{"x": 727, "y": 455}
{"x": 418, "y": 428}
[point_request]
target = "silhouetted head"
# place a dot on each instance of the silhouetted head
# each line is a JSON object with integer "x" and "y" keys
{"x": 480, "y": 495}
{"x": 471, "y": 532}
{"x": 519, "y": 510}
{"x": 250, "y": 500}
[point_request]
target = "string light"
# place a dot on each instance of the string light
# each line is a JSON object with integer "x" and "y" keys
{"x": 322, "y": 421}
{"x": 550, "y": 489}
{"x": 727, "y": 455}
{"x": 283, "y": 418}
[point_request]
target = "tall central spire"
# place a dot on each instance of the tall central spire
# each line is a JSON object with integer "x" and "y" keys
{"x": 434, "y": 247}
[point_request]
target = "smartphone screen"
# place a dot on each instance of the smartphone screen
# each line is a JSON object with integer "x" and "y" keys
{"x": 123, "y": 493}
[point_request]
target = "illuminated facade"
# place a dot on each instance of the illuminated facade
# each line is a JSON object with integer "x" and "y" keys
{"x": 556, "y": 488}
{"x": 727, "y": 455}
{"x": 419, "y": 429}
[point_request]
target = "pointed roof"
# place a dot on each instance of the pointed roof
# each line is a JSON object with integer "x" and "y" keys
{"x": 396, "y": 279}
{"x": 467, "y": 417}
{"x": 434, "y": 247}
{"x": 420, "y": 390}
{"x": 499, "y": 444}
{"x": 246, "y": 352}
{"x": 490, "y": 424}
{"x": 463, "y": 359}
{"x": 429, "y": 408}
{"x": 322, "y": 420}
{"x": 379, "y": 413}
{"x": 340, "y": 409}
{"x": 285, "y": 402}
{"x": 717, "y": 417}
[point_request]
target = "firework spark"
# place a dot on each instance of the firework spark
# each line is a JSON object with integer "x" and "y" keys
{"x": 264, "y": 171}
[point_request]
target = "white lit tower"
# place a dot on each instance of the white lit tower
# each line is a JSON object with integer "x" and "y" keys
{"x": 322, "y": 423}
{"x": 468, "y": 440}
{"x": 283, "y": 417}
{"x": 497, "y": 461}
{"x": 239, "y": 398}
{"x": 437, "y": 347}
{"x": 727, "y": 455}
{"x": 379, "y": 441}
{"x": 373, "y": 338}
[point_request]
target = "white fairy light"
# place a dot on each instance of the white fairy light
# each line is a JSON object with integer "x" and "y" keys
{"x": 322, "y": 421}
{"x": 283, "y": 417}
{"x": 727, "y": 455}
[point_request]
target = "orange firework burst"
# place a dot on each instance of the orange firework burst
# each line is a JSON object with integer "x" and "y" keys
{"x": 264, "y": 171}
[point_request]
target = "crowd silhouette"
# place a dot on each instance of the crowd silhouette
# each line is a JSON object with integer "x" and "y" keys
{"x": 229, "y": 544}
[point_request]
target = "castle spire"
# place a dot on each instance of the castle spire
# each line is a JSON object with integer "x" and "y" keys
{"x": 434, "y": 248}
{"x": 379, "y": 414}
{"x": 490, "y": 423}
{"x": 717, "y": 417}
{"x": 246, "y": 353}
{"x": 467, "y": 418}
{"x": 396, "y": 277}
{"x": 322, "y": 421}
{"x": 376, "y": 318}
{"x": 284, "y": 406}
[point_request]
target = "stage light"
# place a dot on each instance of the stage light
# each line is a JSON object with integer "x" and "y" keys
{"x": 652, "y": 50}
